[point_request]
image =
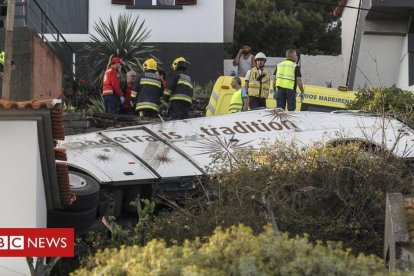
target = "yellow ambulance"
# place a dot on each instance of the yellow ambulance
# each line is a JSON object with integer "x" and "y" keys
{"x": 317, "y": 98}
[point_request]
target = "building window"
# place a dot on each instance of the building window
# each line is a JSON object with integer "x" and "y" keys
{"x": 155, "y": 4}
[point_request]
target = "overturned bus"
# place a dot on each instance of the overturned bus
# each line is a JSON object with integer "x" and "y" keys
{"x": 109, "y": 169}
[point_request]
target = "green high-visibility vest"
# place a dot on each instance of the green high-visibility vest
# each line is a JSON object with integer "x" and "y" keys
{"x": 2, "y": 56}
{"x": 236, "y": 103}
{"x": 285, "y": 76}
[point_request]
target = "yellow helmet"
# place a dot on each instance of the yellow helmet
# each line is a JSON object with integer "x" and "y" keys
{"x": 150, "y": 64}
{"x": 177, "y": 62}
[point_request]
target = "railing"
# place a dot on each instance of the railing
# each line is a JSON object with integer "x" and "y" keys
{"x": 32, "y": 15}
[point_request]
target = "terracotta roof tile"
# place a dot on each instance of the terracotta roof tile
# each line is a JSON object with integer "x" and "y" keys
{"x": 60, "y": 154}
{"x": 63, "y": 179}
{"x": 409, "y": 215}
{"x": 34, "y": 104}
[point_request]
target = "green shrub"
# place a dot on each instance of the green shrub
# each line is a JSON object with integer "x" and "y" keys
{"x": 234, "y": 251}
{"x": 201, "y": 98}
{"x": 96, "y": 106}
{"x": 332, "y": 193}
{"x": 203, "y": 93}
{"x": 391, "y": 100}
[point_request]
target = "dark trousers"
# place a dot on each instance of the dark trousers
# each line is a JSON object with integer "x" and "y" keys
{"x": 284, "y": 96}
{"x": 126, "y": 111}
{"x": 179, "y": 109}
{"x": 112, "y": 104}
{"x": 256, "y": 102}
{"x": 147, "y": 113}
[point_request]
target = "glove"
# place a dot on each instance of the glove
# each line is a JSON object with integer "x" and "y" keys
{"x": 302, "y": 96}
{"x": 122, "y": 99}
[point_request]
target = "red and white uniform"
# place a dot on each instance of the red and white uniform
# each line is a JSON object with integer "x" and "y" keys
{"x": 111, "y": 83}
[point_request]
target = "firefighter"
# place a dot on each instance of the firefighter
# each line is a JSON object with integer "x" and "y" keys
{"x": 180, "y": 90}
{"x": 147, "y": 92}
{"x": 238, "y": 101}
{"x": 258, "y": 83}
{"x": 111, "y": 89}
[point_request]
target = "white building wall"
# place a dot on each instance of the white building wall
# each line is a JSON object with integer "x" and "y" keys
{"x": 316, "y": 70}
{"x": 202, "y": 23}
{"x": 349, "y": 20}
{"x": 23, "y": 202}
{"x": 379, "y": 60}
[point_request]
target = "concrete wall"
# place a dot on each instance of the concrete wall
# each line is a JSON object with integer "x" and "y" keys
{"x": 316, "y": 70}
{"x": 229, "y": 16}
{"x": 398, "y": 247}
{"x": 38, "y": 73}
{"x": 47, "y": 73}
{"x": 20, "y": 82}
{"x": 379, "y": 61}
{"x": 23, "y": 202}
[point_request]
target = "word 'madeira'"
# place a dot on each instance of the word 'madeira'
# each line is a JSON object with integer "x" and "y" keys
{"x": 242, "y": 127}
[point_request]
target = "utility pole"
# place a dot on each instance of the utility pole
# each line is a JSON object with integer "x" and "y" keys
{"x": 8, "y": 49}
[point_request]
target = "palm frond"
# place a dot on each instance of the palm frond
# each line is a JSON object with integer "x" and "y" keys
{"x": 124, "y": 39}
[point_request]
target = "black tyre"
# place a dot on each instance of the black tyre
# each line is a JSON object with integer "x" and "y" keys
{"x": 86, "y": 190}
{"x": 67, "y": 219}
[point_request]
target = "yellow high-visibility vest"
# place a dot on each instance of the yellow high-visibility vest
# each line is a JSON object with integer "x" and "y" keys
{"x": 258, "y": 88}
{"x": 236, "y": 103}
{"x": 2, "y": 56}
{"x": 285, "y": 75}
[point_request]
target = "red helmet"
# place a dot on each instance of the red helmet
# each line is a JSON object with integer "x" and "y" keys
{"x": 117, "y": 60}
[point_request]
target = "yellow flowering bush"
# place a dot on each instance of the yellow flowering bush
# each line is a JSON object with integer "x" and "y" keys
{"x": 234, "y": 251}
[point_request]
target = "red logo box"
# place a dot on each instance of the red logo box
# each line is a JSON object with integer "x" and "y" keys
{"x": 37, "y": 242}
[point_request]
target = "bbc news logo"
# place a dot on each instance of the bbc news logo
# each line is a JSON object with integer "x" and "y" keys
{"x": 36, "y": 242}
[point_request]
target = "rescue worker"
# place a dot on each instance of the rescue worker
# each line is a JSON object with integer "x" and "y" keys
{"x": 111, "y": 89}
{"x": 126, "y": 107}
{"x": 238, "y": 101}
{"x": 180, "y": 90}
{"x": 258, "y": 83}
{"x": 288, "y": 75}
{"x": 147, "y": 92}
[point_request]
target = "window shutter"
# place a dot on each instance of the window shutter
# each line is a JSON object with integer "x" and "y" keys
{"x": 123, "y": 2}
{"x": 185, "y": 2}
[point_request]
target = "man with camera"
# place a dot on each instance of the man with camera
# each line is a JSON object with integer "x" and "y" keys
{"x": 244, "y": 61}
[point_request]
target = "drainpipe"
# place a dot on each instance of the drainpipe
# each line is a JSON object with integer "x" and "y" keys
{"x": 358, "y": 32}
{"x": 349, "y": 82}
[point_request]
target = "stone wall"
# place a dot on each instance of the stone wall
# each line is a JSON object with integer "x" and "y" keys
{"x": 399, "y": 232}
{"x": 77, "y": 123}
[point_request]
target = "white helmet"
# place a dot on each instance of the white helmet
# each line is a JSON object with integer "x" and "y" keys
{"x": 260, "y": 55}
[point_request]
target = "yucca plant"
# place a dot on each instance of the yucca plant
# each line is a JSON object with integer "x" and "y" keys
{"x": 97, "y": 106}
{"x": 124, "y": 39}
